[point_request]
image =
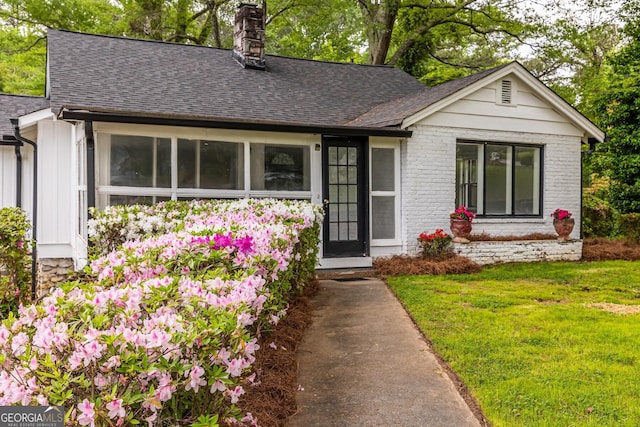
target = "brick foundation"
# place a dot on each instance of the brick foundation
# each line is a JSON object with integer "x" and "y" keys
{"x": 520, "y": 251}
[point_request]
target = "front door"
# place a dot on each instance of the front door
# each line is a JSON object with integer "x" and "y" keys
{"x": 345, "y": 190}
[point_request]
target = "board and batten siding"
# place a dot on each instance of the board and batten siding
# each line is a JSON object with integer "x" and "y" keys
{"x": 7, "y": 177}
{"x": 429, "y": 160}
{"x": 57, "y": 216}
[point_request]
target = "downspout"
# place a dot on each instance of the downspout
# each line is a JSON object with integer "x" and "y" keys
{"x": 34, "y": 252}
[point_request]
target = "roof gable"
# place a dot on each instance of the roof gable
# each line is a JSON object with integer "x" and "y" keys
{"x": 113, "y": 74}
{"x": 415, "y": 107}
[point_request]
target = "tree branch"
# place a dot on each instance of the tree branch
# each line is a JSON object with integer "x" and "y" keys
{"x": 12, "y": 52}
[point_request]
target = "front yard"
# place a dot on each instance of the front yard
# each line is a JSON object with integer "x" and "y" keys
{"x": 541, "y": 344}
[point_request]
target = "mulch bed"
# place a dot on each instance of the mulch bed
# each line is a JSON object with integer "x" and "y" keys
{"x": 600, "y": 249}
{"x": 399, "y": 265}
{"x": 272, "y": 401}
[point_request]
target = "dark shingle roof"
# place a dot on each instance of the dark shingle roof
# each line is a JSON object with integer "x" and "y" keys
{"x": 394, "y": 112}
{"x": 13, "y": 106}
{"x": 113, "y": 74}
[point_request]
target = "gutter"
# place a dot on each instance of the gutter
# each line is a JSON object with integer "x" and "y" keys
{"x": 218, "y": 123}
{"x": 34, "y": 252}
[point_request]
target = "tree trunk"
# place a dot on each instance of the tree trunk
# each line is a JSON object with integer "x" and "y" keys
{"x": 379, "y": 20}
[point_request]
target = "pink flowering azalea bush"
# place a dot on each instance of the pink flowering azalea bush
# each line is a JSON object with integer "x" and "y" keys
{"x": 15, "y": 250}
{"x": 167, "y": 330}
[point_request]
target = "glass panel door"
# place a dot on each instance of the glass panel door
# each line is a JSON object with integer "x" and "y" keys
{"x": 345, "y": 188}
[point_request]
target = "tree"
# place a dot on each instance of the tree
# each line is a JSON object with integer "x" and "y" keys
{"x": 619, "y": 115}
{"x": 380, "y": 17}
{"x": 315, "y": 29}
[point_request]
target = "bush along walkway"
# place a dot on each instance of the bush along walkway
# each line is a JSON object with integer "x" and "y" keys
{"x": 165, "y": 327}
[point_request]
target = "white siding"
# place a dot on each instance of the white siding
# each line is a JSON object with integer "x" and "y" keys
{"x": 7, "y": 177}
{"x": 56, "y": 190}
{"x": 482, "y": 110}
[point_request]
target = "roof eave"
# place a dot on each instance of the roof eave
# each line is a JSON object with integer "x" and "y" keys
{"x": 227, "y": 123}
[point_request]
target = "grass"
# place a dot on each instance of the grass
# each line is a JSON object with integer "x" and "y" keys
{"x": 528, "y": 346}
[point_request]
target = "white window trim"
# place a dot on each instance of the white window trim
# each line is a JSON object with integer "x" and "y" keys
{"x": 395, "y": 193}
{"x": 103, "y": 131}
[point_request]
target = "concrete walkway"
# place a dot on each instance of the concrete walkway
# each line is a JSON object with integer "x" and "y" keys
{"x": 364, "y": 363}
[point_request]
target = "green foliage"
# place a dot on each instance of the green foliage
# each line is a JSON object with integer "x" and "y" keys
{"x": 619, "y": 109}
{"x": 599, "y": 219}
{"x": 22, "y": 62}
{"x": 452, "y": 48}
{"x": 630, "y": 226}
{"x": 15, "y": 247}
{"x": 435, "y": 245}
{"x": 315, "y": 29}
{"x": 533, "y": 342}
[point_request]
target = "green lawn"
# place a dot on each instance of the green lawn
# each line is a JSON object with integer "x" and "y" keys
{"x": 523, "y": 339}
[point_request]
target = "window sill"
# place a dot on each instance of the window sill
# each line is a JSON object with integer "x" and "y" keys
{"x": 508, "y": 219}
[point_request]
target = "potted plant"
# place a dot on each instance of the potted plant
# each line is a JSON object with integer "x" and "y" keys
{"x": 563, "y": 223}
{"x": 460, "y": 224}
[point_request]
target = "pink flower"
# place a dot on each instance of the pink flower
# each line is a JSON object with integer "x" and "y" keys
{"x": 235, "y": 394}
{"x": 561, "y": 214}
{"x": 235, "y": 367}
{"x": 221, "y": 241}
{"x": 86, "y": 413}
{"x": 115, "y": 409}
{"x": 18, "y": 344}
{"x": 218, "y": 386}
{"x": 195, "y": 379}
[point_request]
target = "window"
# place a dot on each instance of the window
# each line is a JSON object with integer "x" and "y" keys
{"x": 280, "y": 167}
{"x": 210, "y": 164}
{"x": 498, "y": 179}
{"x": 144, "y": 169}
{"x": 384, "y": 193}
{"x": 140, "y": 161}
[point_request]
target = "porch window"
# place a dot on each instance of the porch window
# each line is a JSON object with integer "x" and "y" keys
{"x": 384, "y": 193}
{"x": 280, "y": 167}
{"x": 499, "y": 179}
{"x": 147, "y": 170}
{"x": 210, "y": 164}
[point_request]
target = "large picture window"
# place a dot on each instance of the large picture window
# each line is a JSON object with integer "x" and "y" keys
{"x": 144, "y": 169}
{"x": 499, "y": 179}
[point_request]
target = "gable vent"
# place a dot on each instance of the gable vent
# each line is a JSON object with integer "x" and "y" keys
{"x": 506, "y": 92}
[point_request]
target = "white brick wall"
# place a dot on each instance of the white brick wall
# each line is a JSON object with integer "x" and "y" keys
{"x": 520, "y": 251}
{"x": 428, "y": 181}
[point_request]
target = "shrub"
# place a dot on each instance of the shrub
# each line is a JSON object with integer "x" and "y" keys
{"x": 435, "y": 245}
{"x": 599, "y": 219}
{"x": 166, "y": 332}
{"x": 630, "y": 226}
{"x": 15, "y": 247}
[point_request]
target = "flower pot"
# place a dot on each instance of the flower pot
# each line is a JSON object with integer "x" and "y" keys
{"x": 460, "y": 229}
{"x": 564, "y": 227}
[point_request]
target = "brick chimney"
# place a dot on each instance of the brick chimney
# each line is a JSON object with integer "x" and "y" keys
{"x": 248, "y": 36}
